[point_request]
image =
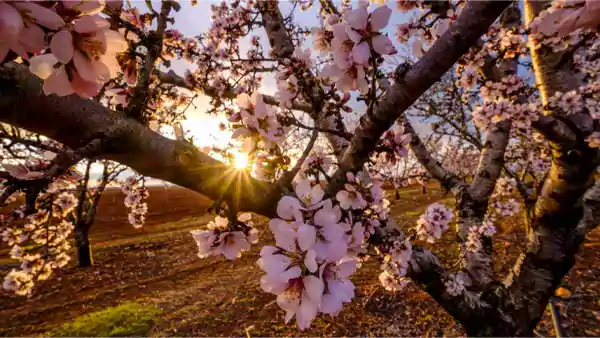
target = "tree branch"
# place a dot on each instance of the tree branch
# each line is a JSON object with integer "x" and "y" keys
{"x": 473, "y": 21}
{"x": 74, "y": 121}
{"x": 176, "y": 80}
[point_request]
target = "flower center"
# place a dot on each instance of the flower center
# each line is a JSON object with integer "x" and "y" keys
{"x": 89, "y": 46}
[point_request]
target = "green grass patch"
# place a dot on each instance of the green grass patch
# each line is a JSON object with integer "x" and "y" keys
{"x": 127, "y": 319}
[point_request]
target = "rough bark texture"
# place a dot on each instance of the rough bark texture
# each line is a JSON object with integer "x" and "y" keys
{"x": 462, "y": 34}
{"x": 82, "y": 242}
{"x": 74, "y": 122}
{"x": 554, "y": 239}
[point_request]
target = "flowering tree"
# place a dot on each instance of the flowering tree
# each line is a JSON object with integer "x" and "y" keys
{"x": 90, "y": 76}
{"x": 89, "y": 192}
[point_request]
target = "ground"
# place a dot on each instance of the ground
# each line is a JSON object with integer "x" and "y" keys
{"x": 149, "y": 281}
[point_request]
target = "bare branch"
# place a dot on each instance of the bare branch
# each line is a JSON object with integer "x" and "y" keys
{"x": 287, "y": 177}
{"x": 176, "y": 80}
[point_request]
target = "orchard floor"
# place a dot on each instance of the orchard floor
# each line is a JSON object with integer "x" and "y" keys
{"x": 157, "y": 267}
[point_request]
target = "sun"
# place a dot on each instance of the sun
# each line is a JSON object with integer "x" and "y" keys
{"x": 240, "y": 160}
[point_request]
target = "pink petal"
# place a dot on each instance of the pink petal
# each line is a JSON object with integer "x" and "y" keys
{"x": 84, "y": 67}
{"x": 90, "y": 24}
{"x": 274, "y": 264}
{"x": 302, "y": 189}
{"x": 380, "y": 18}
{"x": 344, "y": 270}
{"x": 84, "y": 88}
{"x": 361, "y": 53}
{"x": 58, "y": 83}
{"x": 306, "y": 313}
{"x": 11, "y": 22}
{"x": 272, "y": 284}
{"x": 102, "y": 71}
{"x": 61, "y": 46}
{"x": 115, "y": 41}
{"x": 288, "y": 302}
{"x": 32, "y": 37}
{"x": 285, "y": 237}
{"x": 317, "y": 194}
{"x": 357, "y": 18}
{"x": 417, "y": 48}
{"x": 41, "y": 15}
{"x": 42, "y": 65}
{"x": 243, "y": 101}
{"x": 88, "y": 7}
{"x": 3, "y": 51}
{"x": 340, "y": 32}
{"x": 310, "y": 260}
{"x": 383, "y": 45}
{"x": 336, "y": 250}
{"x": 314, "y": 288}
{"x": 288, "y": 208}
{"x": 307, "y": 236}
{"x": 355, "y": 36}
{"x": 330, "y": 305}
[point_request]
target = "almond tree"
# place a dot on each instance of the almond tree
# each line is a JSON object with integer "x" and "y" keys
{"x": 91, "y": 76}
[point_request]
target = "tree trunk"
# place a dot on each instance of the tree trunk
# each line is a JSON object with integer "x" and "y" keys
{"x": 82, "y": 241}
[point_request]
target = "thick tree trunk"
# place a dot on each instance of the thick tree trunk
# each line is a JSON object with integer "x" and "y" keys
{"x": 82, "y": 241}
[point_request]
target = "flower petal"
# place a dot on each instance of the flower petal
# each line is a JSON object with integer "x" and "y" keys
{"x": 307, "y": 236}
{"x": 361, "y": 53}
{"x": 41, "y": 15}
{"x": 42, "y": 65}
{"x": 357, "y": 18}
{"x": 58, "y": 83}
{"x": 62, "y": 47}
{"x": 380, "y": 18}
{"x": 90, "y": 24}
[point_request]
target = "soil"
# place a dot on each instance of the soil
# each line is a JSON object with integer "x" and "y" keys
{"x": 158, "y": 265}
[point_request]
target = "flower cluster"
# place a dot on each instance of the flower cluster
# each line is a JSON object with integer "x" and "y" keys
{"x": 397, "y": 140}
{"x": 564, "y": 17}
{"x": 318, "y": 241}
{"x": 503, "y": 109}
{"x": 135, "y": 194}
{"x": 257, "y": 120}
{"x": 433, "y": 222}
{"x": 41, "y": 244}
{"x": 82, "y": 47}
{"x": 396, "y": 255}
{"x": 287, "y": 79}
{"x": 221, "y": 238}
{"x": 355, "y": 41}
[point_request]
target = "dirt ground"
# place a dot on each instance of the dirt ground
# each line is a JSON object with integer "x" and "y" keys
{"x": 157, "y": 265}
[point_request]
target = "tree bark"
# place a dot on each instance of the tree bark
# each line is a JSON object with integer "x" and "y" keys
{"x": 82, "y": 241}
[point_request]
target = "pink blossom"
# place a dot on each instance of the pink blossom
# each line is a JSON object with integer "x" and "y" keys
{"x": 19, "y": 30}
{"x": 564, "y": 20}
{"x": 205, "y": 240}
{"x": 232, "y": 244}
{"x": 350, "y": 198}
{"x": 364, "y": 28}
{"x": 340, "y": 289}
{"x": 298, "y": 295}
{"x": 352, "y": 78}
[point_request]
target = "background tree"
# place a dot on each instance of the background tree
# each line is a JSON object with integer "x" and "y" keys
{"x": 104, "y": 94}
